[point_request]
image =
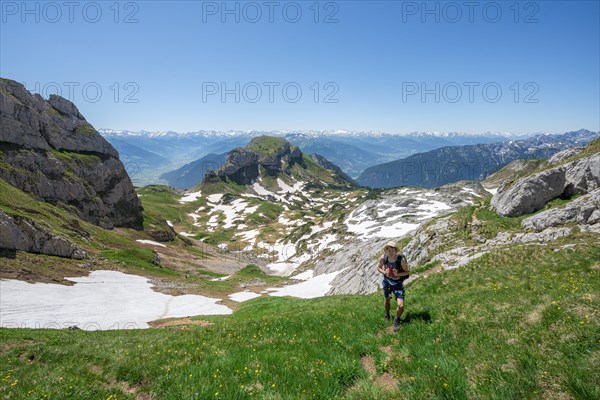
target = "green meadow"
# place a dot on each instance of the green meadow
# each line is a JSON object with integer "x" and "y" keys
{"x": 518, "y": 323}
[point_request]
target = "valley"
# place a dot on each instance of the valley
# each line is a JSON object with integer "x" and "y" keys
{"x": 270, "y": 262}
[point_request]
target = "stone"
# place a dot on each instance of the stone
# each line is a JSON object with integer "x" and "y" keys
{"x": 531, "y": 193}
{"x": 17, "y": 233}
{"x": 563, "y": 155}
{"x": 583, "y": 210}
{"x": 51, "y": 152}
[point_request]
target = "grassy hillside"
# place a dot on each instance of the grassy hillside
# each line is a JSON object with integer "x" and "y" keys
{"x": 107, "y": 249}
{"x": 266, "y": 145}
{"x": 519, "y": 323}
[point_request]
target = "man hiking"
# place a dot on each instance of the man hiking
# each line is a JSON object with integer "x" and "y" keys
{"x": 394, "y": 268}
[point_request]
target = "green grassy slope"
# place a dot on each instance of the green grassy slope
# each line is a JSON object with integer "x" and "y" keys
{"x": 518, "y": 323}
{"x": 107, "y": 248}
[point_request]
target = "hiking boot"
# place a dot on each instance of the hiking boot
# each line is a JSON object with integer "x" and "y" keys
{"x": 396, "y": 324}
{"x": 387, "y": 317}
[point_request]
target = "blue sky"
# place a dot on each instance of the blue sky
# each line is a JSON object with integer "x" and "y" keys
{"x": 392, "y": 66}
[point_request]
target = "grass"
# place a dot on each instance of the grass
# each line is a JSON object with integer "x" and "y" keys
{"x": 219, "y": 186}
{"x": 592, "y": 148}
{"x": 521, "y": 323}
{"x": 265, "y": 213}
{"x": 266, "y": 145}
{"x": 515, "y": 170}
{"x": 105, "y": 247}
{"x": 162, "y": 201}
{"x": 85, "y": 129}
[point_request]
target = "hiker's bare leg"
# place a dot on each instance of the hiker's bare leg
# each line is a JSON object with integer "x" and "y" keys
{"x": 386, "y": 304}
{"x": 400, "y": 308}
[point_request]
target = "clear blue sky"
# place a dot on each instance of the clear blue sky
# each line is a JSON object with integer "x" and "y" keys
{"x": 374, "y": 57}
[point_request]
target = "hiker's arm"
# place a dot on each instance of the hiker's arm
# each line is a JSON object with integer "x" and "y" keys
{"x": 380, "y": 268}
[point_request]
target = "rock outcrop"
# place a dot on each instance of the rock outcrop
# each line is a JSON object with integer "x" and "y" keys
{"x": 563, "y": 155}
{"x": 530, "y": 194}
{"x": 583, "y": 210}
{"x": 358, "y": 254}
{"x": 243, "y": 164}
{"x": 49, "y": 150}
{"x": 26, "y": 235}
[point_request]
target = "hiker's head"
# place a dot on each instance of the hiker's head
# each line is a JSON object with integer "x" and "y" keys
{"x": 390, "y": 247}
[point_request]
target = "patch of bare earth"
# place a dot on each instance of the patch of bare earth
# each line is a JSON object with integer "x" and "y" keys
{"x": 386, "y": 381}
{"x": 126, "y": 388}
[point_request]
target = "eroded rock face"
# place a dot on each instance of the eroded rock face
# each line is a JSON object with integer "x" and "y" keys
{"x": 23, "y": 234}
{"x": 529, "y": 195}
{"x": 243, "y": 166}
{"x": 532, "y": 193}
{"x": 563, "y": 155}
{"x": 584, "y": 210}
{"x": 49, "y": 150}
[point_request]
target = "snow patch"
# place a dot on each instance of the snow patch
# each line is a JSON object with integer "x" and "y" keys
{"x": 304, "y": 276}
{"x": 150, "y": 242}
{"x": 243, "y": 296}
{"x": 190, "y": 197}
{"x": 223, "y": 278}
{"x": 215, "y": 198}
{"x": 317, "y": 286}
{"x": 101, "y": 301}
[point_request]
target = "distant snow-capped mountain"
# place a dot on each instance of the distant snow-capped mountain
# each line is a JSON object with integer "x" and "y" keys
{"x": 336, "y": 132}
{"x": 352, "y": 151}
{"x": 447, "y": 164}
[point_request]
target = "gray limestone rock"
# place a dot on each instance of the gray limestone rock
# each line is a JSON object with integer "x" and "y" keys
{"x": 50, "y": 151}
{"x": 583, "y": 210}
{"x": 18, "y": 233}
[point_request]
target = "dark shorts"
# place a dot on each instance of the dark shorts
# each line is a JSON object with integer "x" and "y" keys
{"x": 388, "y": 289}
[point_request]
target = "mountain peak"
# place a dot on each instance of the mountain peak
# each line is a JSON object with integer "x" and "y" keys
{"x": 264, "y": 154}
{"x": 268, "y": 158}
{"x": 268, "y": 146}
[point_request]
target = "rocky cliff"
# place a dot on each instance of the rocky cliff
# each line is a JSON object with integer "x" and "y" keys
{"x": 49, "y": 150}
{"x": 562, "y": 179}
{"x": 272, "y": 157}
{"x": 18, "y": 233}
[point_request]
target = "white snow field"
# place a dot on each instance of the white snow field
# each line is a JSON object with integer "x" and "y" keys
{"x": 101, "y": 301}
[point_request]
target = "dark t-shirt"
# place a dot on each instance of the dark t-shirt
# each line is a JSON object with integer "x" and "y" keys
{"x": 397, "y": 265}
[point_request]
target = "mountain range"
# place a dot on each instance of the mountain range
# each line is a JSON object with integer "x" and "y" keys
{"x": 148, "y": 155}
{"x": 470, "y": 162}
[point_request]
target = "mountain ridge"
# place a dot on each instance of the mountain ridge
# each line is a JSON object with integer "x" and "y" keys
{"x": 470, "y": 162}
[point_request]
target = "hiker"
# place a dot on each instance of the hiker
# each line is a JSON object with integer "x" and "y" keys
{"x": 394, "y": 268}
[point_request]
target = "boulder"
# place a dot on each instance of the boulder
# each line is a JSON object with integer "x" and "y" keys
{"x": 563, "y": 155}
{"x": 18, "y": 233}
{"x": 584, "y": 210}
{"x": 531, "y": 193}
